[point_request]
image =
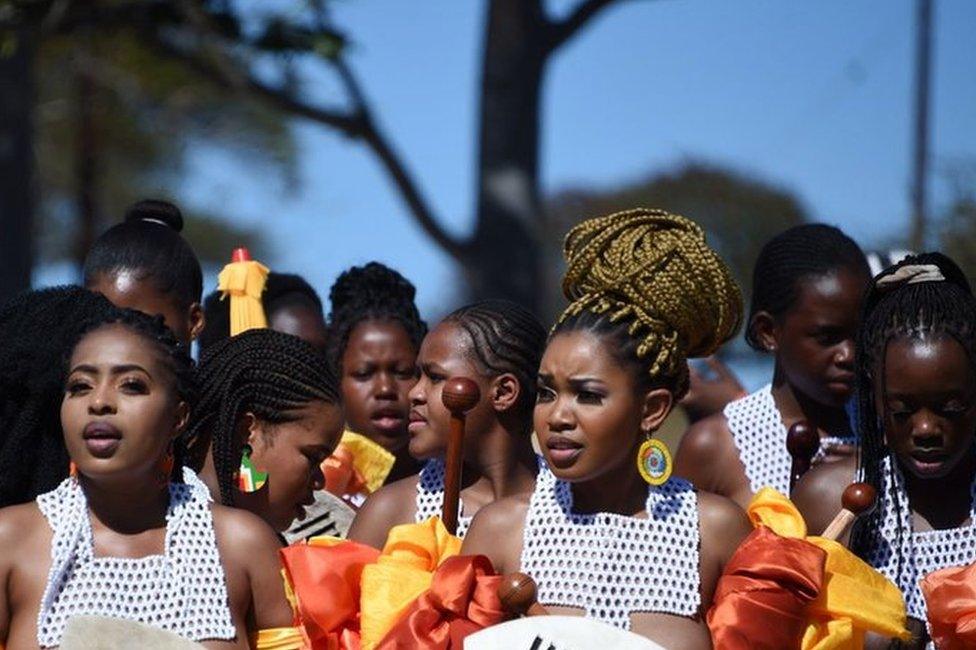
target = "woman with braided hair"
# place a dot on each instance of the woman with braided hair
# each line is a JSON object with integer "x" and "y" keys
{"x": 916, "y": 402}
{"x": 807, "y": 288}
{"x": 375, "y": 332}
{"x": 267, "y": 399}
{"x": 497, "y": 343}
{"x": 646, "y": 293}
{"x": 132, "y": 534}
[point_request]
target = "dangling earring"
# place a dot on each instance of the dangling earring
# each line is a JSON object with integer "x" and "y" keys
{"x": 249, "y": 478}
{"x": 72, "y": 469}
{"x": 654, "y": 461}
{"x": 166, "y": 467}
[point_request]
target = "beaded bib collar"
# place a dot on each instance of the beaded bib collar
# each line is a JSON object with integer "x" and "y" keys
{"x": 182, "y": 591}
{"x": 612, "y": 565}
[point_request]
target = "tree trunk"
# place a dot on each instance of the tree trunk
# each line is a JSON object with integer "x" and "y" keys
{"x": 16, "y": 168}
{"x": 503, "y": 258}
{"x": 85, "y": 165}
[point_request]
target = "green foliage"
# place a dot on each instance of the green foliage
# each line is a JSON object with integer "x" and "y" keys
{"x": 738, "y": 213}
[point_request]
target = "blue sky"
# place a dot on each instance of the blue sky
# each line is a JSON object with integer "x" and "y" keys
{"x": 812, "y": 96}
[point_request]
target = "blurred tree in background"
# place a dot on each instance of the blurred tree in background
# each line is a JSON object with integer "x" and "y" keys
{"x": 958, "y": 221}
{"x": 125, "y": 86}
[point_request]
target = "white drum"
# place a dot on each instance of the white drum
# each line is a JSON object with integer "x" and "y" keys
{"x": 104, "y": 633}
{"x": 556, "y": 633}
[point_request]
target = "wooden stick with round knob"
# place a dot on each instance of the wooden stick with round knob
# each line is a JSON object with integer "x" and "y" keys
{"x": 459, "y": 396}
{"x": 858, "y": 499}
{"x": 802, "y": 441}
{"x": 517, "y": 593}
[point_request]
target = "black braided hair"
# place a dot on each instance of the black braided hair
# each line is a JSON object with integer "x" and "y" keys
{"x": 269, "y": 373}
{"x": 282, "y": 290}
{"x": 796, "y": 254}
{"x": 175, "y": 355}
{"x": 36, "y": 330}
{"x": 371, "y": 292}
{"x": 148, "y": 243}
{"x": 505, "y": 338}
{"x": 909, "y": 310}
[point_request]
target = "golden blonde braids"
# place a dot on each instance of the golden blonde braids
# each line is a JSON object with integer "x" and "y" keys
{"x": 655, "y": 269}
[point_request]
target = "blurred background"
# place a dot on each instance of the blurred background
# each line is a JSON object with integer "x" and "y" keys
{"x": 457, "y": 140}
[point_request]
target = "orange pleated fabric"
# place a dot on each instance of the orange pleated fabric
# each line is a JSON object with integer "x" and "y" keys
{"x": 462, "y": 599}
{"x": 761, "y": 599}
{"x": 950, "y": 596}
{"x": 325, "y": 577}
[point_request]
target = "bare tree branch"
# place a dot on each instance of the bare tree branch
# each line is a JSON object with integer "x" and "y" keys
{"x": 357, "y": 123}
{"x": 562, "y": 31}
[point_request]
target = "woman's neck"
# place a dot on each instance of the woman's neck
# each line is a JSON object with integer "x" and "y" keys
{"x": 208, "y": 474}
{"x": 127, "y": 506}
{"x": 945, "y": 502}
{"x": 621, "y": 490}
{"x": 502, "y": 464}
{"x": 794, "y": 406}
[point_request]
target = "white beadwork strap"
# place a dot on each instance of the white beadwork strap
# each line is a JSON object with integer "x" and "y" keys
{"x": 610, "y": 565}
{"x": 430, "y": 496}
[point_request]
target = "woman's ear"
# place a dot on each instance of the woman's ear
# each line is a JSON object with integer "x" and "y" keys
{"x": 197, "y": 320}
{"x": 504, "y": 392}
{"x": 657, "y": 405}
{"x": 765, "y": 331}
{"x": 182, "y": 417}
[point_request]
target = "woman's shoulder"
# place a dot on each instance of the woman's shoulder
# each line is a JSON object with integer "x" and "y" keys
{"x": 389, "y": 506}
{"x": 18, "y": 521}
{"x": 241, "y": 532}
{"x": 817, "y": 494}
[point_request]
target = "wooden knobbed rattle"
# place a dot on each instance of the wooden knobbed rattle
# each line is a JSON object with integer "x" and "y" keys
{"x": 802, "y": 441}
{"x": 517, "y": 592}
{"x": 858, "y": 499}
{"x": 459, "y": 396}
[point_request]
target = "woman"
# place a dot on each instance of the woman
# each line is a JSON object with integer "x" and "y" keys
{"x": 269, "y": 401}
{"x": 807, "y": 287}
{"x": 143, "y": 263}
{"x": 916, "y": 394}
{"x": 375, "y": 331}
{"x": 646, "y": 293}
{"x": 131, "y": 535}
{"x": 497, "y": 344}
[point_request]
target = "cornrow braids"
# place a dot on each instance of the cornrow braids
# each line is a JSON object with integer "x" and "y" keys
{"x": 36, "y": 330}
{"x": 915, "y": 310}
{"x": 796, "y": 254}
{"x": 649, "y": 279}
{"x": 371, "y": 292}
{"x": 262, "y": 371}
{"x": 176, "y": 358}
{"x": 505, "y": 338}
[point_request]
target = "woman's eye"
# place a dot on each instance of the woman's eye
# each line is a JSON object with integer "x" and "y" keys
{"x": 435, "y": 378}
{"x": 544, "y": 394}
{"x": 405, "y": 375}
{"x": 361, "y": 375}
{"x": 76, "y": 387}
{"x": 588, "y": 397}
{"x": 134, "y": 386}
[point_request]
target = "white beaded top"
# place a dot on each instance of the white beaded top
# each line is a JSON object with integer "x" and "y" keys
{"x": 182, "y": 591}
{"x": 760, "y": 436}
{"x": 611, "y": 565}
{"x": 908, "y": 557}
{"x": 430, "y": 496}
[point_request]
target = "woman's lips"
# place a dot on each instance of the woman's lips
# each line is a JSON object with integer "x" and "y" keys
{"x": 101, "y": 439}
{"x": 563, "y": 452}
{"x": 417, "y": 421}
{"x": 927, "y": 464}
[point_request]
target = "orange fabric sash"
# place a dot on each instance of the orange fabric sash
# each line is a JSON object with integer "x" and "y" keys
{"x": 950, "y": 596}
{"x": 462, "y": 599}
{"x": 761, "y": 599}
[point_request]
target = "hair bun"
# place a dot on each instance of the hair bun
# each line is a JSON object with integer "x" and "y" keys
{"x": 163, "y": 213}
{"x": 656, "y": 268}
{"x": 370, "y": 285}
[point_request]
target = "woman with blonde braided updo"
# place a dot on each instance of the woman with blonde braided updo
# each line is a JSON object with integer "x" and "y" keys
{"x": 646, "y": 293}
